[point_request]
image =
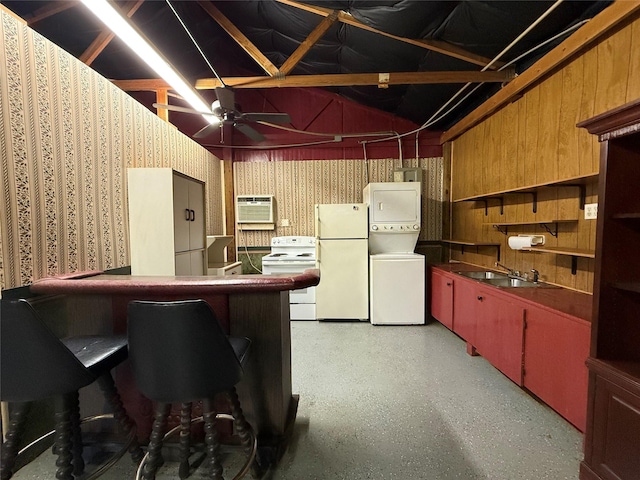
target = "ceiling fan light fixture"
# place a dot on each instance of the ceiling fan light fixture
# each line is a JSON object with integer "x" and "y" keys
{"x": 108, "y": 15}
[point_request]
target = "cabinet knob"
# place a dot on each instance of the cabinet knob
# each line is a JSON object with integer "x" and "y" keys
{"x": 188, "y": 214}
{"x": 480, "y": 297}
{"x": 448, "y": 284}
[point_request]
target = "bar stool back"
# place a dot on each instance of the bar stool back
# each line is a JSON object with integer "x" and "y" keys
{"x": 37, "y": 365}
{"x": 180, "y": 354}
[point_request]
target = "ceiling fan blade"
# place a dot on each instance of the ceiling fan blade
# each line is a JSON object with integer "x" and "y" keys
{"x": 249, "y": 131}
{"x": 267, "y": 117}
{"x": 226, "y": 97}
{"x": 176, "y": 108}
{"x": 206, "y": 130}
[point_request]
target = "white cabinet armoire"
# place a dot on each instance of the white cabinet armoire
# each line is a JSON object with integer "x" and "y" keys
{"x": 166, "y": 223}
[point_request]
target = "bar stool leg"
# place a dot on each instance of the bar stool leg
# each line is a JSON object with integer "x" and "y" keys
{"x": 108, "y": 387}
{"x": 11, "y": 446}
{"x": 185, "y": 439}
{"x": 214, "y": 464}
{"x": 63, "y": 443}
{"x": 242, "y": 426}
{"x": 76, "y": 438}
{"x": 154, "y": 450}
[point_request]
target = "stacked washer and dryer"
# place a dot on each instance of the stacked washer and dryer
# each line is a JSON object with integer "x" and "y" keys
{"x": 396, "y": 273}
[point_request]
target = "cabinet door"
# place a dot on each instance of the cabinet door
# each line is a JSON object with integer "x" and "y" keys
{"x": 499, "y": 333}
{"x": 196, "y": 260}
{"x": 190, "y": 263}
{"x": 465, "y": 309}
{"x": 181, "y": 213}
{"x": 183, "y": 263}
{"x": 196, "y": 223}
{"x": 442, "y": 298}
{"x": 555, "y": 350}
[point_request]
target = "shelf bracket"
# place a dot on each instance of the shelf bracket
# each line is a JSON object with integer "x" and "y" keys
{"x": 583, "y": 193}
{"x": 535, "y": 201}
{"x": 574, "y": 264}
{"x": 534, "y": 194}
{"x": 553, "y": 233}
{"x": 499, "y": 228}
{"x": 486, "y": 205}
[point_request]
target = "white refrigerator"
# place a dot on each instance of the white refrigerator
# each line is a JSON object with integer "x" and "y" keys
{"x": 342, "y": 255}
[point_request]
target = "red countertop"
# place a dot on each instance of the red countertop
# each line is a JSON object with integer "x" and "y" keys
{"x": 570, "y": 302}
{"x": 96, "y": 282}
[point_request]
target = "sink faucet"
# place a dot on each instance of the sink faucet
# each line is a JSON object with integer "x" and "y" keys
{"x": 536, "y": 275}
{"x": 512, "y": 272}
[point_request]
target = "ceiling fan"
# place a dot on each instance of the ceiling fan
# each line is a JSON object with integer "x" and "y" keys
{"x": 227, "y": 112}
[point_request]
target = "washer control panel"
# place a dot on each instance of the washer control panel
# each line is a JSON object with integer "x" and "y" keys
{"x": 395, "y": 227}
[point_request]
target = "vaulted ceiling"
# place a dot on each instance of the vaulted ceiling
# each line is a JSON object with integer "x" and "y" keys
{"x": 407, "y": 58}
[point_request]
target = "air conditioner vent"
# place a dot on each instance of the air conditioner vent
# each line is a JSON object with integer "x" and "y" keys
{"x": 254, "y": 208}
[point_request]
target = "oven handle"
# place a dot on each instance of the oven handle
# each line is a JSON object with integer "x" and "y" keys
{"x": 282, "y": 264}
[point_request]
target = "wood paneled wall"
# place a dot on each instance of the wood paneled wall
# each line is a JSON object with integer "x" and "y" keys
{"x": 534, "y": 140}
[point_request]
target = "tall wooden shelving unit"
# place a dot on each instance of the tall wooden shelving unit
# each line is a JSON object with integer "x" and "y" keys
{"x": 612, "y": 438}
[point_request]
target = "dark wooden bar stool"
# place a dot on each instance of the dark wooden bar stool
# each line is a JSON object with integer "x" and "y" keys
{"x": 180, "y": 354}
{"x": 38, "y": 365}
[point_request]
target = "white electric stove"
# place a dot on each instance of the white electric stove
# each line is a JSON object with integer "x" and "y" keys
{"x": 294, "y": 254}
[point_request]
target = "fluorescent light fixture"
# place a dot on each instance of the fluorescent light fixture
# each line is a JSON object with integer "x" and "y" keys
{"x": 108, "y": 15}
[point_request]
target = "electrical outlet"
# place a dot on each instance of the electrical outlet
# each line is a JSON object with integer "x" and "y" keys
{"x": 590, "y": 211}
{"x": 284, "y": 222}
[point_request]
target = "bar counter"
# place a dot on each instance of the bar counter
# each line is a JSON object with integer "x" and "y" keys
{"x": 254, "y": 306}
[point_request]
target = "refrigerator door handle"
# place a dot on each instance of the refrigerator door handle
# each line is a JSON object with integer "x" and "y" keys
{"x": 318, "y": 250}
{"x": 317, "y": 219}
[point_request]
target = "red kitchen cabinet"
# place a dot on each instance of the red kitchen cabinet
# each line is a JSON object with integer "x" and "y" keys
{"x": 500, "y": 332}
{"x": 442, "y": 298}
{"x": 555, "y": 350}
{"x": 465, "y": 309}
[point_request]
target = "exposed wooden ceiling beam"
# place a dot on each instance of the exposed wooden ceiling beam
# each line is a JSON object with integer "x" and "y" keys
{"x": 48, "y": 10}
{"x": 239, "y": 37}
{"x": 309, "y": 42}
{"x": 102, "y": 40}
{"x": 433, "y": 45}
{"x": 349, "y": 79}
{"x": 580, "y": 40}
{"x": 329, "y": 80}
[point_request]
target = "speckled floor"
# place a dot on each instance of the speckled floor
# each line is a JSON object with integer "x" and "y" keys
{"x": 382, "y": 402}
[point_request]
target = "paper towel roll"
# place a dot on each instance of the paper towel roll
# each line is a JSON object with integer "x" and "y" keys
{"x": 521, "y": 241}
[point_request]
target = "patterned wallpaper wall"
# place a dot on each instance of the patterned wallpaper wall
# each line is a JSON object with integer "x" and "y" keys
{"x": 298, "y": 185}
{"x": 67, "y": 136}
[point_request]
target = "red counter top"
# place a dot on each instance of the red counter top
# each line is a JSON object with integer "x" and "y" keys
{"x": 570, "y": 302}
{"x": 96, "y": 282}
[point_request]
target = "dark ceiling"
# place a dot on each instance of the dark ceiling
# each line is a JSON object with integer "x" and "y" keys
{"x": 360, "y": 40}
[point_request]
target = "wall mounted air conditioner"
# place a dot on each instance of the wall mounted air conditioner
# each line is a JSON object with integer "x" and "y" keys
{"x": 254, "y": 208}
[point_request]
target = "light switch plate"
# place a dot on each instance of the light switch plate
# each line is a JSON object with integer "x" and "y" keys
{"x": 590, "y": 211}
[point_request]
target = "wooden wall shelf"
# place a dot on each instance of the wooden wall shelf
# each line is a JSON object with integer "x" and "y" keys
{"x": 579, "y": 182}
{"x": 503, "y": 227}
{"x": 573, "y": 253}
{"x": 628, "y": 287}
{"x": 463, "y": 244}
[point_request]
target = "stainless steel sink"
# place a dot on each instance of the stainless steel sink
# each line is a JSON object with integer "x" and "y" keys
{"x": 516, "y": 283}
{"x": 484, "y": 275}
